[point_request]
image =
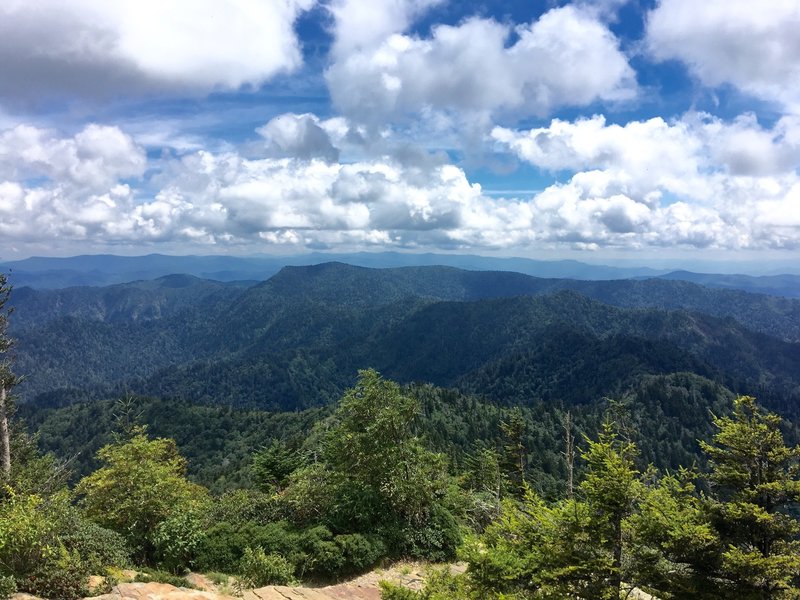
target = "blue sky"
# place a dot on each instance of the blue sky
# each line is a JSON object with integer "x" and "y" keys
{"x": 600, "y": 130}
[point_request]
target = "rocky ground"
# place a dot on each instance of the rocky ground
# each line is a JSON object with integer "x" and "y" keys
{"x": 365, "y": 587}
{"x": 410, "y": 575}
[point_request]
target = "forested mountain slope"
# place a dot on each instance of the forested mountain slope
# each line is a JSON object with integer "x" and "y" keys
{"x": 666, "y": 415}
{"x": 297, "y": 339}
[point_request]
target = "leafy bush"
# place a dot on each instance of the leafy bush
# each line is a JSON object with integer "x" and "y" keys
{"x": 141, "y": 484}
{"x": 258, "y": 568}
{"x": 222, "y": 546}
{"x": 63, "y": 576}
{"x": 7, "y": 587}
{"x": 155, "y": 575}
{"x": 391, "y": 591}
{"x": 440, "y": 584}
{"x": 435, "y": 539}
{"x": 177, "y": 540}
{"x": 99, "y": 547}
{"x": 239, "y": 507}
{"x": 360, "y": 552}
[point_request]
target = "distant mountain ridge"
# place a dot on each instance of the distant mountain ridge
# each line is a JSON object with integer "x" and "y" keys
{"x": 103, "y": 270}
{"x": 107, "y": 269}
{"x": 297, "y": 339}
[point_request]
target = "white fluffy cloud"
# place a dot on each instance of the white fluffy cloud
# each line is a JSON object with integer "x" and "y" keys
{"x": 301, "y": 136}
{"x": 696, "y": 181}
{"x": 364, "y": 24}
{"x": 97, "y": 47}
{"x": 567, "y": 57}
{"x": 751, "y": 45}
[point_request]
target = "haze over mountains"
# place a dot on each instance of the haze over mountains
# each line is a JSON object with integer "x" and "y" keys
{"x": 103, "y": 270}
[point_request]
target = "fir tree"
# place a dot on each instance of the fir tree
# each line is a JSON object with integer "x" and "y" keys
{"x": 755, "y": 479}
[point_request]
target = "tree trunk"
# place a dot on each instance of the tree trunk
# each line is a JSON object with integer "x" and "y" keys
{"x": 569, "y": 454}
{"x": 616, "y": 574}
{"x": 5, "y": 438}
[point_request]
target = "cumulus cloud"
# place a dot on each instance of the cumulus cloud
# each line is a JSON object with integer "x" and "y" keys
{"x": 567, "y": 57}
{"x": 92, "y": 160}
{"x": 364, "y": 24}
{"x": 96, "y": 47}
{"x": 301, "y": 136}
{"x": 696, "y": 182}
{"x": 649, "y": 156}
{"x": 752, "y": 46}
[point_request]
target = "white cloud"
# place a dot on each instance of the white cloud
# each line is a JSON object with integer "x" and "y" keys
{"x": 641, "y": 158}
{"x": 696, "y": 181}
{"x": 96, "y": 47}
{"x": 693, "y": 182}
{"x": 752, "y": 45}
{"x": 364, "y": 24}
{"x": 302, "y": 136}
{"x": 94, "y": 159}
{"x": 567, "y": 57}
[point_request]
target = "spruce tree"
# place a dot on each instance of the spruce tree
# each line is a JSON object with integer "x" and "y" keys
{"x": 610, "y": 487}
{"x": 754, "y": 478}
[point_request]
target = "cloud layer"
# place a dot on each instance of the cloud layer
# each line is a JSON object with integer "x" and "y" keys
{"x": 567, "y": 57}
{"x": 693, "y": 182}
{"x": 100, "y": 48}
{"x": 753, "y": 46}
{"x": 418, "y": 115}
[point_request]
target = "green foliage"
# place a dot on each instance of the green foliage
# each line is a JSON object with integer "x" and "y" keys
{"x": 258, "y": 569}
{"x": 673, "y": 546}
{"x": 141, "y": 486}
{"x": 440, "y": 584}
{"x": 610, "y": 487}
{"x": 99, "y": 548}
{"x": 8, "y": 587}
{"x": 755, "y": 477}
{"x": 147, "y": 575}
{"x": 541, "y": 550}
{"x": 272, "y": 466}
{"x": 177, "y": 540}
{"x": 63, "y": 575}
{"x": 376, "y": 474}
{"x": 244, "y": 506}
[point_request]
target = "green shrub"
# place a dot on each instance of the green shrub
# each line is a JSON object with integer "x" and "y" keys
{"x": 258, "y": 568}
{"x": 63, "y": 576}
{"x": 177, "y": 540}
{"x": 360, "y": 552}
{"x": 241, "y": 507}
{"x": 7, "y": 587}
{"x": 391, "y": 591}
{"x": 155, "y": 575}
{"x": 99, "y": 547}
{"x": 222, "y": 546}
{"x": 435, "y": 539}
{"x": 440, "y": 584}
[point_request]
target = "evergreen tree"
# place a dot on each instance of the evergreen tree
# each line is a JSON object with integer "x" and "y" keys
{"x": 610, "y": 487}
{"x": 514, "y": 428}
{"x": 673, "y": 548}
{"x": 272, "y": 466}
{"x": 754, "y": 476}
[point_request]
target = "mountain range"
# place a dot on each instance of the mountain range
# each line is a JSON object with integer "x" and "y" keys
{"x": 671, "y": 351}
{"x": 103, "y": 270}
